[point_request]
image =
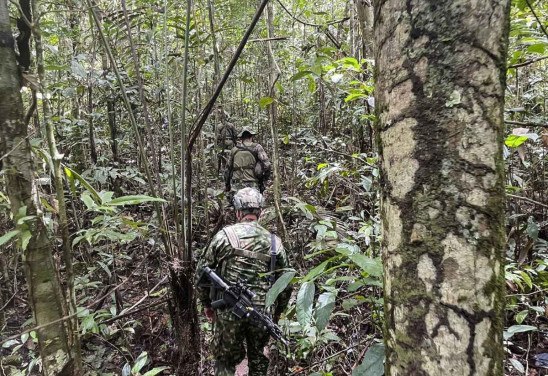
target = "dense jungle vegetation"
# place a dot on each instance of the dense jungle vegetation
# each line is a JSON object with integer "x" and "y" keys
{"x": 125, "y": 166}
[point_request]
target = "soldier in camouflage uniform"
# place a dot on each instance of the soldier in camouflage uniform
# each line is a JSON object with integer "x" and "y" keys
{"x": 243, "y": 252}
{"x": 248, "y": 165}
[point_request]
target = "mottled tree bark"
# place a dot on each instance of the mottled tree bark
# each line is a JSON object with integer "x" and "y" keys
{"x": 44, "y": 292}
{"x": 440, "y": 91}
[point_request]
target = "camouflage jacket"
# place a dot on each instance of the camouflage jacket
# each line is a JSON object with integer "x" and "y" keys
{"x": 243, "y": 169}
{"x": 226, "y": 136}
{"x": 248, "y": 262}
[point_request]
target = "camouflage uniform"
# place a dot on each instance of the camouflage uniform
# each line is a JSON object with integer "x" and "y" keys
{"x": 226, "y": 140}
{"x": 246, "y": 261}
{"x": 241, "y": 168}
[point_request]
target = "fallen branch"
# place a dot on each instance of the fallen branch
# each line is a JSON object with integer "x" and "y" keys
{"x": 527, "y": 200}
{"x": 129, "y": 313}
{"x": 526, "y": 123}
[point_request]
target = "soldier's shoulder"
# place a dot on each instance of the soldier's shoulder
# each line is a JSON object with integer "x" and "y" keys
{"x": 220, "y": 236}
{"x": 247, "y": 228}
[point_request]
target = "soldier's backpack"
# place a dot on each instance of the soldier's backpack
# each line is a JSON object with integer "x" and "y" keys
{"x": 247, "y": 158}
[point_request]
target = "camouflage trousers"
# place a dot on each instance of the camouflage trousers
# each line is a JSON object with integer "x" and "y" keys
{"x": 231, "y": 337}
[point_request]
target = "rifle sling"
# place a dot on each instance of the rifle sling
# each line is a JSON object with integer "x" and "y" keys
{"x": 239, "y": 251}
{"x": 272, "y": 258}
{"x": 250, "y": 254}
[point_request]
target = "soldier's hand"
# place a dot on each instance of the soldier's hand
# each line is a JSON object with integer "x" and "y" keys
{"x": 209, "y": 313}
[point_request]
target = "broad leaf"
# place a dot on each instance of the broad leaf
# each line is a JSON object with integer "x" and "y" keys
{"x": 265, "y": 101}
{"x": 134, "y": 200}
{"x": 71, "y": 175}
{"x": 278, "y": 286}
{"x": 299, "y": 75}
{"x": 508, "y": 333}
{"x": 139, "y": 363}
{"x": 520, "y": 316}
{"x": 305, "y": 298}
{"x": 514, "y": 141}
{"x": 369, "y": 265}
{"x": 353, "y": 96}
{"x": 317, "y": 270}
{"x": 8, "y": 236}
{"x": 155, "y": 371}
{"x": 517, "y": 365}
{"x": 324, "y": 308}
{"x": 373, "y": 362}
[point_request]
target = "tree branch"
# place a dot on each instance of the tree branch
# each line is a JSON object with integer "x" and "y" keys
{"x": 526, "y": 123}
{"x": 528, "y": 62}
{"x": 527, "y": 200}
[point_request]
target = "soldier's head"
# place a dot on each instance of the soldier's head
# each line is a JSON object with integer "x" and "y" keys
{"x": 248, "y": 203}
{"x": 246, "y": 134}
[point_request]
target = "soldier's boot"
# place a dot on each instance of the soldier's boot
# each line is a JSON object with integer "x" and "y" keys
{"x": 222, "y": 369}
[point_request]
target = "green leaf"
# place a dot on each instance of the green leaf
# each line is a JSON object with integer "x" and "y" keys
{"x": 321, "y": 166}
{"x": 78, "y": 69}
{"x": 10, "y": 343}
{"x": 74, "y": 175}
{"x": 520, "y": 316}
{"x": 26, "y": 235}
{"x": 508, "y": 333}
{"x": 324, "y": 308}
{"x": 139, "y": 363}
{"x": 317, "y": 270}
{"x": 134, "y": 200}
{"x": 311, "y": 84}
{"x": 514, "y": 141}
{"x": 373, "y": 362}
{"x": 350, "y": 62}
{"x": 532, "y": 228}
{"x": 278, "y": 286}
{"x": 348, "y": 304}
{"x": 354, "y": 96}
{"x": 8, "y": 236}
{"x": 517, "y": 365}
{"x": 299, "y": 75}
{"x": 370, "y": 266}
{"x": 155, "y": 371}
{"x": 305, "y": 298}
{"x": 537, "y": 48}
{"x": 88, "y": 201}
{"x": 527, "y": 279}
{"x": 265, "y": 101}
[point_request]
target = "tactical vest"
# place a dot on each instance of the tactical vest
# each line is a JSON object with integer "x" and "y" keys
{"x": 245, "y": 161}
{"x": 251, "y": 259}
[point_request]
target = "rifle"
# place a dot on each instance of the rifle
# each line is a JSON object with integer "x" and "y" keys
{"x": 238, "y": 299}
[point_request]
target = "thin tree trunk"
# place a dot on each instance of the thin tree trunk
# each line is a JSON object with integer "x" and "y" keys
{"x": 45, "y": 296}
{"x": 72, "y": 323}
{"x": 440, "y": 96}
{"x": 274, "y": 75}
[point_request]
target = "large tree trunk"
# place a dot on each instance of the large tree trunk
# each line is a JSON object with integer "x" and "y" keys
{"x": 44, "y": 292}
{"x": 440, "y": 91}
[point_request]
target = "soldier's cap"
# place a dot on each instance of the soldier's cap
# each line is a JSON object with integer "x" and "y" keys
{"x": 248, "y": 130}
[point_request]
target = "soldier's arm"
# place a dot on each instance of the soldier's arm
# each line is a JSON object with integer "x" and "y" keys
{"x": 263, "y": 157}
{"x": 229, "y": 170}
{"x": 210, "y": 259}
